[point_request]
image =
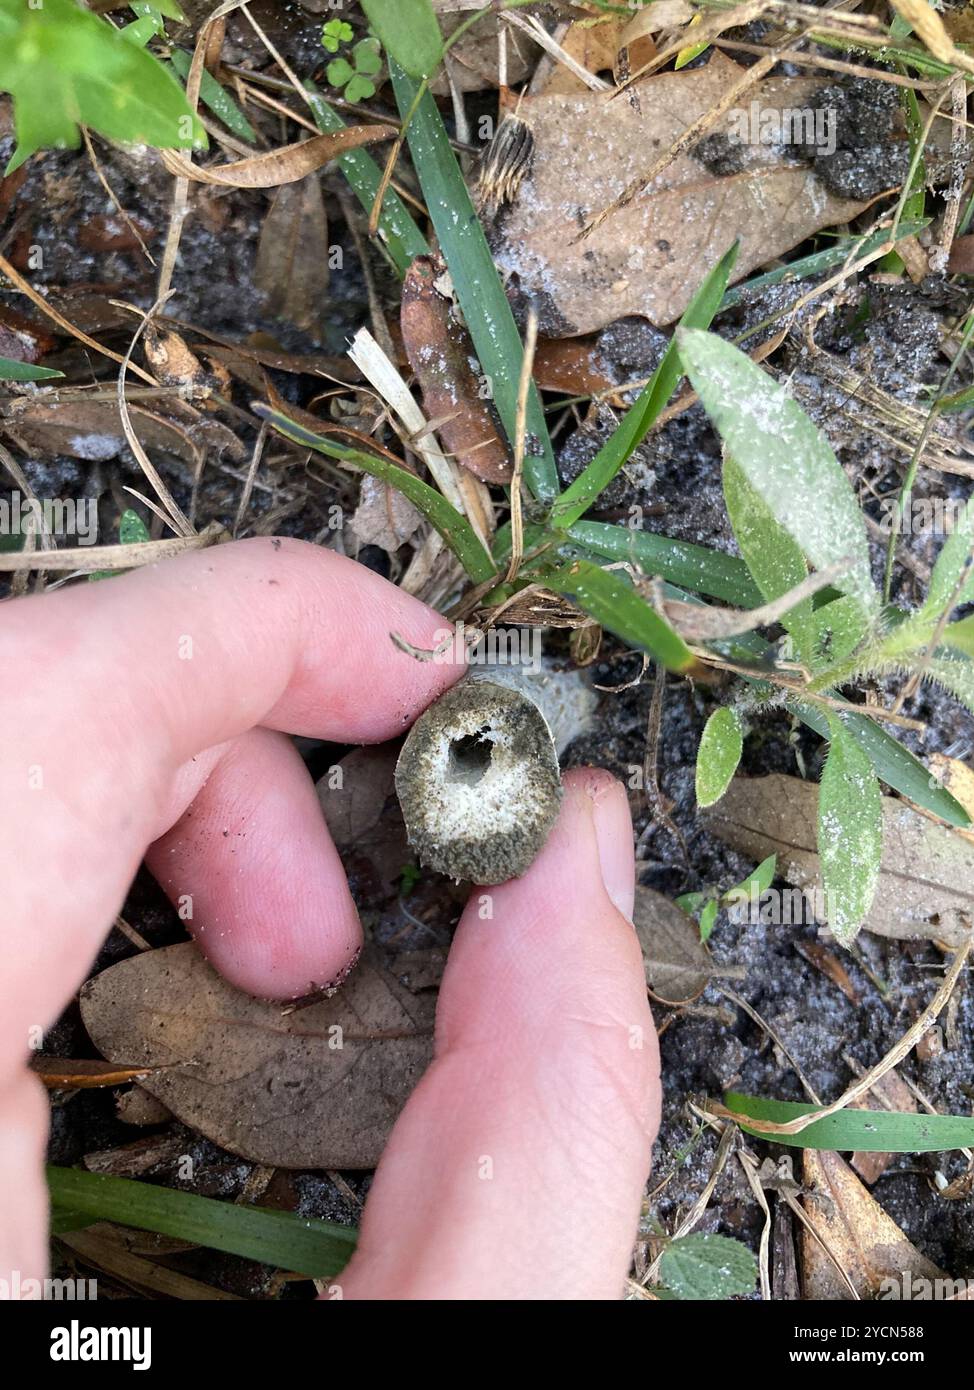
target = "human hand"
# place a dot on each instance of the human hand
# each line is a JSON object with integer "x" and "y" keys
{"x": 152, "y": 711}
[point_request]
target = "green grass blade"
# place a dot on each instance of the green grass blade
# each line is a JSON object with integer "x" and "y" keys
{"x": 476, "y": 282}
{"x": 614, "y": 603}
{"x": 694, "y": 567}
{"x": 216, "y": 98}
{"x": 848, "y": 248}
{"x": 278, "y": 1238}
{"x": 24, "y": 371}
{"x": 399, "y": 233}
{"x": 455, "y": 529}
{"x": 894, "y": 764}
{"x": 645, "y": 411}
{"x": 409, "y": 33}
{"x": 64, "y": 1220}
{"x": 859, "y": 1131}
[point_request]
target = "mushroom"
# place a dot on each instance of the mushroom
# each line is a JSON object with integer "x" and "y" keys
{"x": 478, "y": 782}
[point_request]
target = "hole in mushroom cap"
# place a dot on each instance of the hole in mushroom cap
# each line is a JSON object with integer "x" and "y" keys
{"x": 470, "y": 757}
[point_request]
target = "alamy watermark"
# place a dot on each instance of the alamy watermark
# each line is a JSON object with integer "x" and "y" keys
{"x": 908, "y": 1287}
{"x": 923, "y": 516}
{"x": 17, "y": 1289}
{"x": 812, "y": 128}
{"x": 783, "y": 907}
{"x": 57, "y": 516}
{"x": 498, "y": 646}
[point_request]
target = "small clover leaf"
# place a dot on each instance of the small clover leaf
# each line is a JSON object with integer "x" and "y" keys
{"x": 339, "y": 72}
{"x": 335, "y": 32}
{"x": 359, "y": 88}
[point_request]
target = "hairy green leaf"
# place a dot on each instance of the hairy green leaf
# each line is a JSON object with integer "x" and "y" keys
{"x": 894, "y": 763}
{"x": 774, "y": 559}
{"x": 784, "y": 457}
{"x": 705, "y": 1266}
{"x": 850, "y": 832}
{"x": 721, "y": 745}
{"x": 960, "y": 636}
{"x": 953, "y": 562}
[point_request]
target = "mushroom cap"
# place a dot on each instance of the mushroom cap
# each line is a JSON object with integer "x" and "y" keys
{"x": 478, "y": 783}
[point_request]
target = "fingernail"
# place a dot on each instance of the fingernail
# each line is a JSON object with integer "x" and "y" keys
{"x": 613, "y": 832}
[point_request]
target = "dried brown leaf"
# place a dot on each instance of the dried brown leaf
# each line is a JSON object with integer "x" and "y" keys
{"x": 319, "y": 1087}
{"x": 383, "y": 516}
{"x": 677, "y": 963}
{"x": 474, "y": 56}
{"x": 572, "y": 365}
{"x": 172, "y": 361}
{"x": 926, "y": 883}
{"x": 649, "y": 257}
{"x": 819, "y": 955}
{"x": 440, "y": 353}
{"x": 284, "y": 165}
{"x": 866, "y": 1243}
{"x": 292, "y": 254}
{"x": 358, "y": 800}
{"x": 82, "y": 1073}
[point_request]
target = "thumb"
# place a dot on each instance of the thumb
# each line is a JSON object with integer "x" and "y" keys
{"x": 517, "y": 1168}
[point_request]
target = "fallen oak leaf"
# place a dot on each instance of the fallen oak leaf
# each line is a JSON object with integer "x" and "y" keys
{"x": 677, "y": 963}
{"x": 926, "y": 881}
{"x": 319, "y": 1087}
{"x": 292, "y": 254}
{"x": 650, "y": 255}
{"x": 284, "y": 165}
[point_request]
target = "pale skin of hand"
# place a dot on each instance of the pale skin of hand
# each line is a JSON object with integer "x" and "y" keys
{"x": 148, "y": 718}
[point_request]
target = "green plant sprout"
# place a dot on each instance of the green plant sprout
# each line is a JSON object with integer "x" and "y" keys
{"x": 707, "y": 902}
{"x": 132, "y": 530}
{"x": 334, "y": 33}
{"x": 352, "y": 75}
{"x": 66, "y": 68}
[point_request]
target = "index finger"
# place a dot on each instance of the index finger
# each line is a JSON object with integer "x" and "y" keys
{"x": 130, "y": 678}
